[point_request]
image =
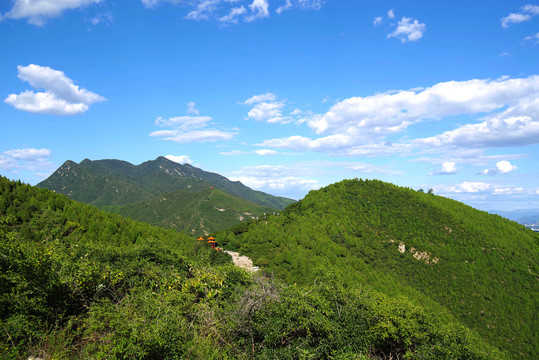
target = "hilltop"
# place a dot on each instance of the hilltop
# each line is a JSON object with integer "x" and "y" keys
{"x": 458, "y": 261}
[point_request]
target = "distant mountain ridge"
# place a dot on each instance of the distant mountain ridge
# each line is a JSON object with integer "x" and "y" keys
{"x": 522, "y": 216}
{"x": 164, "y": 193}
{"x": 118, "y": 182}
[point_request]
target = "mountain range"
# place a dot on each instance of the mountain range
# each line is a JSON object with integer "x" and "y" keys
{"x": 163, "y": 192}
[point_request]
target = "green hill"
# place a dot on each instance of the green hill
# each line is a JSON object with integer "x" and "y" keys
{"x": 200, "y": 212}
{"x": 77, "y": 282}
{"x": 479, "y": 268}
{"x": 116, "y": 182}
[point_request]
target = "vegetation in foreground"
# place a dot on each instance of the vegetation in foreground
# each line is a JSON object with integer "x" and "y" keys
{"x": 77, "y": 282}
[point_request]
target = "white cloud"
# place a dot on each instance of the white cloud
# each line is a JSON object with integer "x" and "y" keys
{"x": 260, "y": 98}
{"x": 180, "y": 159}
{"x": 203, "y": 10}
{"x": 26, "y": 159}
{"x": 233, "y": 15}
{"x": 526, "y": 13}
{"x": 390, "y": 14}
{"x": 534, "y": 37}
{"x": 502, "y": 167}
{"x": 192, "y": 108}
{"x": 518, "y": 125}
{"x": 290, "y": 185}
{"x": 287, "y": 6}
{"x": 207, "y": 135}
{"x": 105, "y": 18}
{"x": 264, "y": 111}
{"x": 234, "y": 153}
{"x": 153, "y": 3}
{"x": 266, "y": 152}
{"x": 301, "y": 4}
{"x": 259, "y": 9}
{"x": 28, "y": 154}
{"x": 378, "y": 20}
{"x": 266, "y": 107}
{"x": 408, "y": 29}
{"x": 184, "y": 123}
{"x": 505, "y": 166}
{"x": 295, "y": 180}
{"x": 38, "y": 11}
{"x": 448, "y": 168}
{"x": 507, "y": 191}
{"x": 187, "y": 129}
{"x": 471, "y": 187}
{"x": 359, "y": 125}
{"x": 61, "y": 95}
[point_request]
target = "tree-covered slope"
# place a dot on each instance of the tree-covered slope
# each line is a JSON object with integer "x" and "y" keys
{"x": 200, "y": 212}
{"x": 116, "y": 182}
{"x": 482, "y": 268}
{"x": 80, "y": 283}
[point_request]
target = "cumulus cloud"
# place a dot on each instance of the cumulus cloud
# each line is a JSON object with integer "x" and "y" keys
{"x": 408, "y": 29}
{"x": 180, "y": 159}
{"x": 526, "y": 13}
{"x": 471, "y": 187}
{"x": 188, "y": 129}
{"x": 31, "y": 159}
{"x": 38, "y": 11}
{"x": 361, "y": 125}
{"x": 502, "y": 167}
{"x": 61, "y": 95}
{"x": 518, "y": 125}
{"x": 390, "y": 14}
{"x": 448, "y": 168}
{"x": 266, "y": 107}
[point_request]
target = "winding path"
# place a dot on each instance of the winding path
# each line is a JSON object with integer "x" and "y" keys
{"x": 242, "y": 261}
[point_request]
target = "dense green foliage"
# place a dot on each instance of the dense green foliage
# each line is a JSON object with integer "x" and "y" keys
{"x": 115, "y": 182}
{"x": 77, "y": 282}
{"x": 200, "y": 212}
{"x": 464, "y": 263}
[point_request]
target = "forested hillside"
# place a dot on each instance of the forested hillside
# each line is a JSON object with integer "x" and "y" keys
{"x": 458, "y": 261}
{"x": 200, "y": 212}
{"x": 81, "y": 283}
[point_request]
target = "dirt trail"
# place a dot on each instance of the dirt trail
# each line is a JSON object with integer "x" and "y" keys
{"x": 242, "y": 261}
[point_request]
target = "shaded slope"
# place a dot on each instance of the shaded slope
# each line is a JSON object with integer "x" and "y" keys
{"x": 480, "y": 267}
{"x": 200, "y": 212}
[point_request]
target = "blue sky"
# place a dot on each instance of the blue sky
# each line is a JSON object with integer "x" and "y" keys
{"x": 283, "y": 95}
